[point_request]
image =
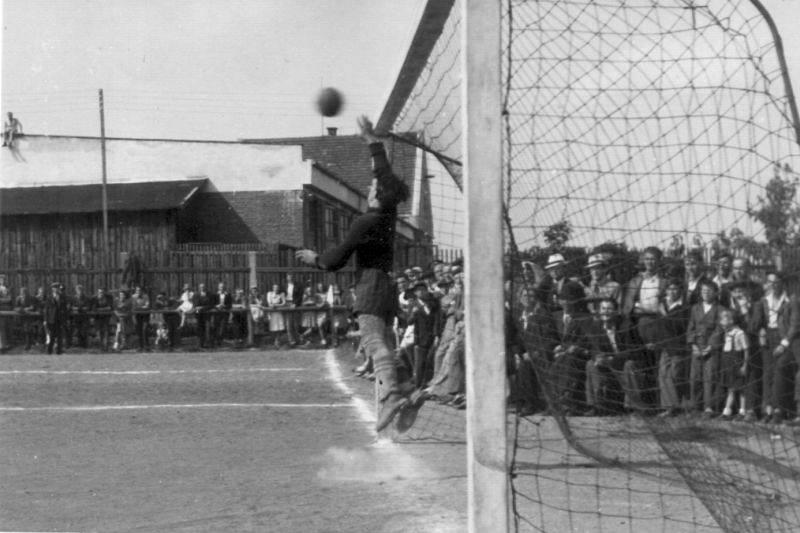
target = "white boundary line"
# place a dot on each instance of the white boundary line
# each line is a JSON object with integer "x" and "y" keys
{"x": 144, "y": 372}
{"x": 363, "y": 408}
{"x": 77, "y": 408}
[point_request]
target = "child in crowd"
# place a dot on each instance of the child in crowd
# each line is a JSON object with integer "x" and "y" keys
{"x": 321, "y": 323}
{"x": 276, "y": 299}
{"x": 735, "y": 358}
{"x": 308, "y": 322}
{"x": 186, "y": 306}
{"x": 162, "y": 332}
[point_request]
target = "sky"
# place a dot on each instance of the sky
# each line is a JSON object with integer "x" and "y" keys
{"x": 199, "y": 69}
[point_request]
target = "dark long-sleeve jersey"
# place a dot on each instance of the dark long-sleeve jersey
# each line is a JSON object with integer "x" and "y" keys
{"x": 371, "y": 239}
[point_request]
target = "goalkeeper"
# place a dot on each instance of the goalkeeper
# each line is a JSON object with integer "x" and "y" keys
{"x": 371, "y": 239}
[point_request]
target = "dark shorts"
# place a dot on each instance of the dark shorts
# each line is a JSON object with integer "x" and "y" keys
{"x": 730, "y": 365}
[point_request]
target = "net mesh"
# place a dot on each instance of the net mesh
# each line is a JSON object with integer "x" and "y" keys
{"x": 631, "y": 125}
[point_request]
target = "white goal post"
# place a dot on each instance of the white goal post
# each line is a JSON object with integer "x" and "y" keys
{"x": 487, "y": 465}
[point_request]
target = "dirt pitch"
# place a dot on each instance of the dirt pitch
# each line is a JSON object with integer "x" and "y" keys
{"x": 236, "y": 441}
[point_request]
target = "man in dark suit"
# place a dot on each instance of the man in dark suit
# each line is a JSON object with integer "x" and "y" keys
{"x": 27, "y": 305}
{"x": 782, "y": 351}
{"x": 6, "y": 304}
{"x": 55, "y": 316}
{"x": 204, "y": 302}
{"x": 79, "y": 306}
{"x": 673, "y": 369}
{"x": 608, "y": 352}
{"x": 101, "y": 306}
{"x": 568, "y": 371}
{"x": 700, "y": 338}
{"x": 222, "y": 301}
{"x": 424, "y": 315}
{"x": 695, "y": 273}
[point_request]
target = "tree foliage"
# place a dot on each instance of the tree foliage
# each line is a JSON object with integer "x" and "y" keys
{"x": 557, "y": 235}
{"x": 778, "y": 209}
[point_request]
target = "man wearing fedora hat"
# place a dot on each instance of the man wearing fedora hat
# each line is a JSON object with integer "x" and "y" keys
{"x": 601, "y": 286}
{"x": 424, "y": 317}
{"x": 568, "y": 371}
{"x": 556, "y": 273}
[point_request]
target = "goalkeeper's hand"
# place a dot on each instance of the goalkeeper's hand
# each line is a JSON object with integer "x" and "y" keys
{"x": 308, "y": 257}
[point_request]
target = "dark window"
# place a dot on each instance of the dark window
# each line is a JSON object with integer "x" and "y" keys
{"x": 329, "y": 221}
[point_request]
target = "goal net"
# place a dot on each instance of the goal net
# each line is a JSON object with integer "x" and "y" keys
{"x": 632, "y": 129}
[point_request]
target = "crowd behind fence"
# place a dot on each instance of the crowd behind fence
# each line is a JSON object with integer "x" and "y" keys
{"x": 55, "y": 319}
{"x": 661, "y": 357}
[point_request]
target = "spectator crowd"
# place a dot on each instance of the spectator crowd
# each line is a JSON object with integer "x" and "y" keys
{"x": 707, "y": 340}
{"x": 429, "y": 331}
{"x": 55, "y": 320}
{"x": 696, "y": 338}
{"x": 676, "y": 338}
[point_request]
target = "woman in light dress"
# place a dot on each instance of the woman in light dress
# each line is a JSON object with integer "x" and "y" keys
{"x": 275, "y": 300}
{"x": 186, "y": 305}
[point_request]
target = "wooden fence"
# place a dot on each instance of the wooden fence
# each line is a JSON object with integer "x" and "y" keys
{"x": 168, "y": 271}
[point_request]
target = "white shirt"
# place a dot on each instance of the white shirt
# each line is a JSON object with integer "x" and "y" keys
{"x": 648, "y": 294}
{"x": 735, "y": 340}
{"x": 707, "y": 307}
{"x": 612, "y": 338}
{"x": 773, "y": 304}
{"x": 673, "y": 305}
{"x": 290, "y": 293}
{"x": 720, "y": 281}
{"x": 692, "y": 284}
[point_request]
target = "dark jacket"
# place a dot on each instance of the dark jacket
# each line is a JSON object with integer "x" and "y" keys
{"x": 674, "y": 323}
{"x": 692, "y": 297}
{"x": 80, "y": 305}
{"x": 576, "y": 333}
{"x": 600, "y": 345}
{"x": 222, "y": 303}
{"x": 702, "y": 325}
{"x": 203, "y": 302}
{"x": 539, "y": 331}
{"x": 751, "y": 321}
{"x": 371, "y": 240}
{"x": 55, "y": 311}
{"x": 788, "y": 319}
{"x": 425, "y": 316}
{"x": 102, "y": 305}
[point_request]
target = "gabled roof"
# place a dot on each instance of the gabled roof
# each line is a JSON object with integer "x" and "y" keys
{"x": 347, "y": 158}
{"x": 154, "y": 196}
{"x": 42, "y": 160}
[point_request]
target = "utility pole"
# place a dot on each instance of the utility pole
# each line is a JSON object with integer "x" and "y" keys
{"x": 106, "y": 251}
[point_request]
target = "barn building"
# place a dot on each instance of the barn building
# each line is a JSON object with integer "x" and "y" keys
{"x": 162, "y": 195}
